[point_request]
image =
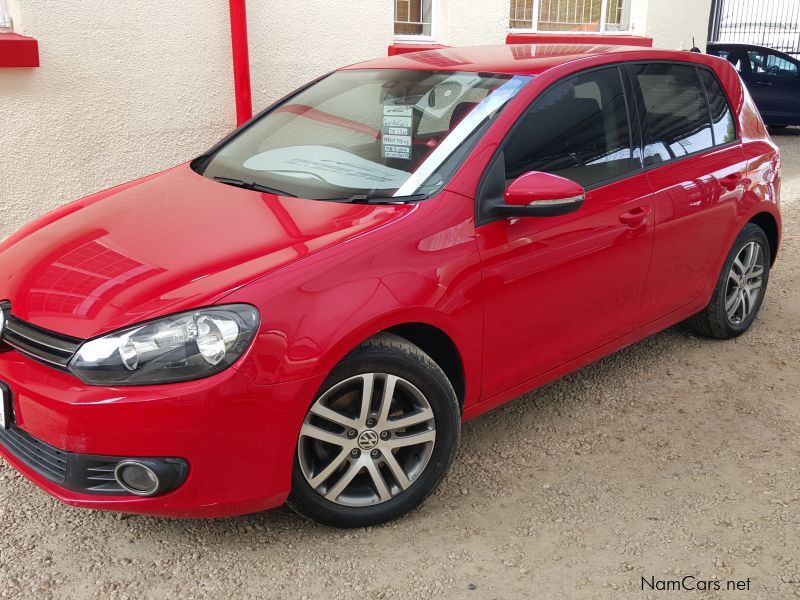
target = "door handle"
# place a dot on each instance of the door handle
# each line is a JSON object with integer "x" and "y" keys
{"x": 764, "y": 83}
{"x": 730, "y": 182}
{"x": 635, "y": 217}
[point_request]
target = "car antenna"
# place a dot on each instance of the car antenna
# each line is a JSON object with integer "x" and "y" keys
{"x": 694, "y": 47}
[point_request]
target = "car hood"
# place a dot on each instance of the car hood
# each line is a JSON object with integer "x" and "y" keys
{"x": 169, "y": 242}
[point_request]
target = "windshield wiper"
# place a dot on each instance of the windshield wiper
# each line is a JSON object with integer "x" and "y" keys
{"x": 365, "y": 199}
{"x": 256, "y": 187}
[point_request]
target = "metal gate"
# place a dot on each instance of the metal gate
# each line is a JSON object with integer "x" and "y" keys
{"x": 771, "y": 23}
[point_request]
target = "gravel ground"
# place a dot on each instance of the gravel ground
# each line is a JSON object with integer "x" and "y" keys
{"x": 678, "y": 456}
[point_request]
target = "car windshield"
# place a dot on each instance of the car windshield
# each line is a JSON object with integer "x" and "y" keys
{"x": 365, "y": 134}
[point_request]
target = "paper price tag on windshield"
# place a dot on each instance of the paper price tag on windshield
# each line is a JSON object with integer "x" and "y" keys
{"x": 396, "y": 132}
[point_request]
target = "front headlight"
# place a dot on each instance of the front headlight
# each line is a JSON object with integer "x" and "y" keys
{"x": 180, "y": 347}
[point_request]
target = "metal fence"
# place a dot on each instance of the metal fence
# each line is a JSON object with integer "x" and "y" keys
{"x": 771, "y": 23}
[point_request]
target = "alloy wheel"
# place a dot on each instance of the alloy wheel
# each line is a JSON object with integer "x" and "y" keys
{"x": 366, "y": 439}
{"x": 745, "y": 281}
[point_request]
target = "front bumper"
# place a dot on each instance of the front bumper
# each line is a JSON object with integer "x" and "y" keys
{"x": 237, "y": 438}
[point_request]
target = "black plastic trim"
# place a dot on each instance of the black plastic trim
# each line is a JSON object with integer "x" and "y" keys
{"x": 47, "y": 461}
{"x": 50, "y": 348}
{"x": 85, "y": 473}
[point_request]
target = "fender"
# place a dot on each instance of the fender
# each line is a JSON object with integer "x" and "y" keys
{"x": 471, "y": 361}
{"x": 423, "y": 268}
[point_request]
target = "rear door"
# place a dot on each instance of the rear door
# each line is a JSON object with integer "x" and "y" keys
{"x": 774, "y": 82}
{"x": 695, "y": 169}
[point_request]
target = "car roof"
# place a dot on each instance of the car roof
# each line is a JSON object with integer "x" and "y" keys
{"x": 520, "y": 59}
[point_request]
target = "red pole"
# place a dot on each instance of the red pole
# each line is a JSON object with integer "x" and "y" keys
{"x": 241, "y": 62}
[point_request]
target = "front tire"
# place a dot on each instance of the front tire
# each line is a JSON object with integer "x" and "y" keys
{"x": 740, "y": 288}
{"x": 378, "y": 438}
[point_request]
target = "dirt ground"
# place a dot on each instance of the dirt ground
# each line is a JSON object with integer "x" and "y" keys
{"x": 678, "y": 456}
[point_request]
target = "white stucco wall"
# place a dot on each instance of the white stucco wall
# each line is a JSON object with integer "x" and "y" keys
{"x": 294, "y": 42}
{"x": 129, "y": 88}
{"x": 672, "y": 24}
{"x": 473, "y": 22}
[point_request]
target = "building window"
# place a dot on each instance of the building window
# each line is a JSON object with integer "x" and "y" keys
{"x": 572, "y": 16}
{"x": 414, "y": 19}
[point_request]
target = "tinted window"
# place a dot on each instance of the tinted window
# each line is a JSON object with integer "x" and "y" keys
{"x": 675, "y": 109}
{"x": 578, "y": 129}
{"x": 771, "y": 64}
{"x": 721, "y": 116}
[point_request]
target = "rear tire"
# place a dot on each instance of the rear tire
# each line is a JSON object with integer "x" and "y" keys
{"x": 740, "y": 287}
{"x": 366, "y": 455}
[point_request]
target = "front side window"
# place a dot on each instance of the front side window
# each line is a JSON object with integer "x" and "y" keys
{"x": 578, "y": 129}
{"x": 363, "y": 134}
{"x": 771, "y": 64}
{"x": 578, "y": 16}
{"x": 675, "y": 111}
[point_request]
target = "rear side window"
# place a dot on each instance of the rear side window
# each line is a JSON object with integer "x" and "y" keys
{"x": 675, "y": 111}
{"x": 578, "y": 129}
{"x": 722, "y": 121}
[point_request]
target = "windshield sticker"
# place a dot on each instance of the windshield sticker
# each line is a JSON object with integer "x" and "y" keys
{"x": 331, "y": 165}
{"x": 396, "y": 131}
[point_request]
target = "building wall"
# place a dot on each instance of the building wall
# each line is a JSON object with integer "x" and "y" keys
{"x": 130, "y": 88}
{"x": 294, "y": 42}
{"x": 673, "y": 24}
{"x": 473, "y": 23}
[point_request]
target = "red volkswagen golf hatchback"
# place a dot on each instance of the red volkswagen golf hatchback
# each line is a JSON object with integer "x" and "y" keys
{"x": 310, "y": 310}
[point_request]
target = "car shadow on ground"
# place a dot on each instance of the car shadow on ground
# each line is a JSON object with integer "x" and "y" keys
{"x": 777, "y": 132}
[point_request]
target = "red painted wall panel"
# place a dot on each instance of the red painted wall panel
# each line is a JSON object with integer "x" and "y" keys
{"x": 561, "y": 38}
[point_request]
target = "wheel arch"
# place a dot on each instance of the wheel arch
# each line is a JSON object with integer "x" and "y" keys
{"x": 440, "y": 347}
{"x": 766, "y": 221}
{"x": 432, "y": 336}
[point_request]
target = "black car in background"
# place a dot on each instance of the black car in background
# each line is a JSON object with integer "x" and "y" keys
{"x": 772, "y": 77}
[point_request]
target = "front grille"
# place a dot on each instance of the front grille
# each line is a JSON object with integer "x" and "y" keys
{"x": 43, "y": 458}
{"x": 39, "y": 344}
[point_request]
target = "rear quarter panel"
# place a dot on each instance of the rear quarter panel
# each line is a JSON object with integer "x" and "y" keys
{"x": 761, "y": 179}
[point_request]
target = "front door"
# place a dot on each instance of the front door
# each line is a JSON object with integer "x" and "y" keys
{"x": 558, "y": 287}
{"x": 774, "y": 82}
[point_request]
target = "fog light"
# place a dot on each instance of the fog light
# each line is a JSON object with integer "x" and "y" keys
{"x": 136, "y": 478}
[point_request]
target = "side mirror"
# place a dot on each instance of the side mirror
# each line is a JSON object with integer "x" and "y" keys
{"x": 537, "y": 194}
